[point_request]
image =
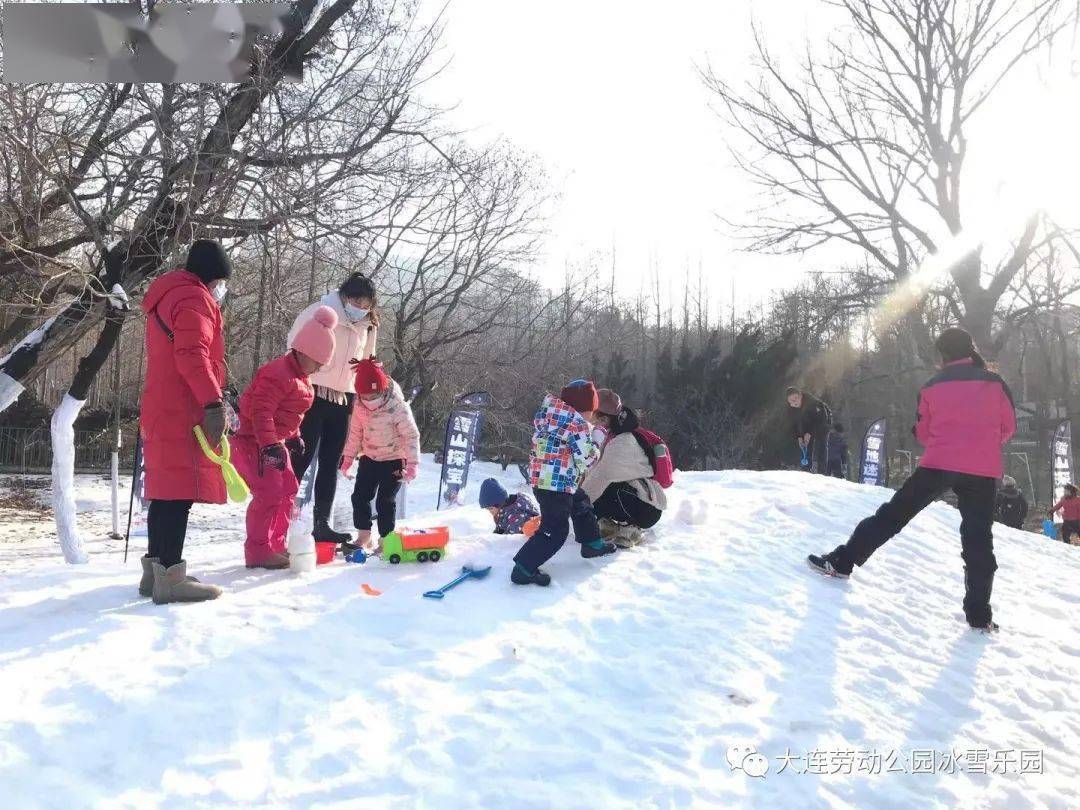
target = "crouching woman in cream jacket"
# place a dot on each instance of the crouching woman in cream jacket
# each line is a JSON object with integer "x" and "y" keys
{"x": 624, "y": 494}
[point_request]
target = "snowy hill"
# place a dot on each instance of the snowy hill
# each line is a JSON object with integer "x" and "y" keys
{"x": 623, "y": 684}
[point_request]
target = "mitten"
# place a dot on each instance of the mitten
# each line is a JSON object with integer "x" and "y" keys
{"x": 213, "y": 425}
{"x": 272, "y": 456}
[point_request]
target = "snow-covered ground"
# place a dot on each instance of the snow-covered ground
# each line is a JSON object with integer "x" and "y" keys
{"x": 631, "y": 682}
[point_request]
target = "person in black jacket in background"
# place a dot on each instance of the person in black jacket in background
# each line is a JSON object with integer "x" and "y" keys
{"x": 810, "y": 420}
{"x": 1011, "y": 507}
{"x": 837, "y": 456}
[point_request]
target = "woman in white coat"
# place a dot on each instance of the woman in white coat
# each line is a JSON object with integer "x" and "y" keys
{"x": 327, "y": 422}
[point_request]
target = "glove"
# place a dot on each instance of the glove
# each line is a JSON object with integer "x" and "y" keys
{"x": 345, "y": 466}
{"x": 213, "y": 424}
{"x": 295, "y": 445}
{"x": 272, "y": 456}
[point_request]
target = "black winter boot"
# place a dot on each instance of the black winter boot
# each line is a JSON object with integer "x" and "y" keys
{"x": 522, "y": 576}
{"x": 977, "y": 590}
{"x": 831, "y": 565}
{"x": 322, "y": 531}
{"x": 596, "y": 548}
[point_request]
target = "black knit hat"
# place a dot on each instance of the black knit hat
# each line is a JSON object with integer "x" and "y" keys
{"x": 208, "y": 261}
{"x": 357, "y": 286}
{"x": 955, "y": 344}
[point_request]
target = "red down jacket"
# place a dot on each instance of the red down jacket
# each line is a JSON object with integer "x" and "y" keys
{"x": 965, "y": 416}
{"x": 273, "y": 406}
{"x": 182, "y": 376}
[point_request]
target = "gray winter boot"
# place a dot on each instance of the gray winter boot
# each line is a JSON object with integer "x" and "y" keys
{"x": 620, "y": 534}
{"x": 608, "y": 528}
{"x": 146, "y": 584}
{"x": 172, "y": 585}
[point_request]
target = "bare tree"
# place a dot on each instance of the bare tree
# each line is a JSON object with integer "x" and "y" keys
{"x": 455, "y": 262}
{"x": 866, "y": 144}
{"x": 145, "y": 169}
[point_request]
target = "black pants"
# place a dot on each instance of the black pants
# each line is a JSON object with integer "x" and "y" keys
{"x": 378, "y": 480}
{"x": 817, "y": 454}
{"x": 557, "y": 511}
{"x": 325, "y": 425}
{"x": 835, "y": 468}
{"x": 621, "y": 503}
{"x": 1069, "y": 528}
{"x": 166, "y": 528}
{"x": 975, "y": 496}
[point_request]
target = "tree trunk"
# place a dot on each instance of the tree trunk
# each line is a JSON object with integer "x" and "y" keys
{"x": 62, "y": 430}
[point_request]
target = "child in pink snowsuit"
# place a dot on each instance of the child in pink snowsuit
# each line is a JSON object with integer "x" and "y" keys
{"x": 271, "y": 410}
{"x": 383, "y": 434}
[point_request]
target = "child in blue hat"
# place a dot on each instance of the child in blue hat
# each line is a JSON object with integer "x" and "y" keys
{"x": 511, "y": 512}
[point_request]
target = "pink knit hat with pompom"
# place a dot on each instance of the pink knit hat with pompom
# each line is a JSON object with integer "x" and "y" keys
{"x": 316, "y": 337}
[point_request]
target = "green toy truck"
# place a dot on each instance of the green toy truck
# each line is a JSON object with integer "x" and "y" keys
{"x": 417, "y": 545}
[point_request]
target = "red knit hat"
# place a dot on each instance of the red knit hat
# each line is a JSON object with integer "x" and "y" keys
{"x": 370, "y": 377}
{"x": 581, "y": 396}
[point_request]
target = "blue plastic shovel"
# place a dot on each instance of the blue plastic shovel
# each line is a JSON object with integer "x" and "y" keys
{"x": 466, "y": 573}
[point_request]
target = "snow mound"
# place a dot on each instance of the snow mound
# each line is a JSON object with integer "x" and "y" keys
{"x": 708, "y": 667}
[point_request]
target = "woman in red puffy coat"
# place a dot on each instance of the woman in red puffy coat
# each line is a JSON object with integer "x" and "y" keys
{"x": 185, "y": 372}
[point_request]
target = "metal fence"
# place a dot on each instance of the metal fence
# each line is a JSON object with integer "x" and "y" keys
{"x": 29, "y": 450}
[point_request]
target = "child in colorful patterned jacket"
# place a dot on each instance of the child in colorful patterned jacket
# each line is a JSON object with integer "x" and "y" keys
{"x": 563, "y": 449}
{"x": 511, "y": 512}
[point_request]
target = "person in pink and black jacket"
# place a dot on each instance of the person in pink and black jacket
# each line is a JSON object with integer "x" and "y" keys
{"x": 965, "y": 416}
{"x": 1069, "y": 506}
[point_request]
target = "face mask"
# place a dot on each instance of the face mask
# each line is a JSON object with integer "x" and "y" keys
{"x": 354, "y": 314}
{"x": 372, "y": 404}
{"x": 218, "y": 291}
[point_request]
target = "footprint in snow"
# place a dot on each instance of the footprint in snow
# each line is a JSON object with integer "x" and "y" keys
{"x": 738, "y": 698}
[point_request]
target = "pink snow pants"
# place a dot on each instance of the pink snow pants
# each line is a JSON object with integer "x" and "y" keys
{"x": 272, "y": 496}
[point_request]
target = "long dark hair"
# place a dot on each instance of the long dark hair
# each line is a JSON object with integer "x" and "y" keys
{"x": 358, "y": 285}
{"x": 625, "y": 421}
{"x": 956, "y": 344}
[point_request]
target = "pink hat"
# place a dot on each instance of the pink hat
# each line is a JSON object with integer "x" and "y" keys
{"x": 316, "y": 337}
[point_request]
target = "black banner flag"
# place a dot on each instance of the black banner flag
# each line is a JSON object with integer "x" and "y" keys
{"x": 873, "y": 460}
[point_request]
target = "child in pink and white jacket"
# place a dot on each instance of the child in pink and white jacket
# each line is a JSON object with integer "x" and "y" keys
{"x": 271, "y": 411}
{"x": 383, "y": 434}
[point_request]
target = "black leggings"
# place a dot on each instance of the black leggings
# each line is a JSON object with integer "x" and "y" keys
{"x": 166, "y": 528}
{"x": 378, "y": 480}
{"x": 975, "y": 497}
{"x": 621, "y": 503}
{"x": 325, "y": 425}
